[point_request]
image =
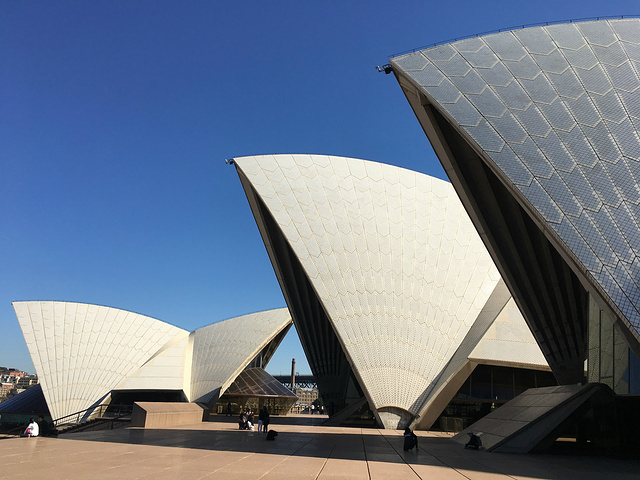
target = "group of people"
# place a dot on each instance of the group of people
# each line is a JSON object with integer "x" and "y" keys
{"x": 37, "y": 429}
{"x": 246, "y": 420}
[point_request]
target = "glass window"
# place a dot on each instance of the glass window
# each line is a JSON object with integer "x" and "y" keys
{"x": 503, "y": 383}
{"x": 481, "y": 382}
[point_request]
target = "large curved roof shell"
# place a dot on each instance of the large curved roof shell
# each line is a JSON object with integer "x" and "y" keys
{"x": 553, "y": 113}
{"x": 222, "y": 350}
{"x": 392, "y": 257}
{"x": 81, "y": 352}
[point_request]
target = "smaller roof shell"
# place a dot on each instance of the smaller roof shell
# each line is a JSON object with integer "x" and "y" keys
{"x": 81, "y": 352}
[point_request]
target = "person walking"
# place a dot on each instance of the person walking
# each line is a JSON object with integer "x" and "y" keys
{"x": 261, "y": 419}
{"x": 265, "y": 420}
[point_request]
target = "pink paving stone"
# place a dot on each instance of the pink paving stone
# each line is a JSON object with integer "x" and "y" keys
{"x": 217, "y": 450}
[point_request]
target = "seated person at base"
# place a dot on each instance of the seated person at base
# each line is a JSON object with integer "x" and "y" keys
{"x": 43, "y": 425}
{"x": 474, "y": 441}
{"x": 242, "y": 421}
{"x": 410, "y": 440}
{"x": 32, "y": 429}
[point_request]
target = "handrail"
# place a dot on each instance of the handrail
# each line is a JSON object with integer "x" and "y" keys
{"x": 77, "y": 415}
{"x": 96, "y": 411}
{"x": 517, "y": 27}
{"x": 13, "y": 432}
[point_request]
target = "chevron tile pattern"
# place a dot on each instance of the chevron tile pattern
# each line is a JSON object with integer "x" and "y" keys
{"x": 393, "y": 257}
{"x": 222, "y": 350}
{"x": 556, "y": 109}
{"x": 81, "y": 351}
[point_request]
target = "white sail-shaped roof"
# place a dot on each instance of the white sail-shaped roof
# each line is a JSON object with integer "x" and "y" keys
{"x": 81, "y": 352}
{"x": 222, "y": 350}
{"x": 552, "y": 110}
{"x": 392, "y": 256}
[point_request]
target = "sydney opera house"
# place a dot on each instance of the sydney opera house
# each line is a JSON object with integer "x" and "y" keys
{"x": 402, "y": 287}
{"x": 399, "y": 307}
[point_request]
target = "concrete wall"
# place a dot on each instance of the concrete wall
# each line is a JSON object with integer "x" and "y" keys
{"x": 165, "y": 414}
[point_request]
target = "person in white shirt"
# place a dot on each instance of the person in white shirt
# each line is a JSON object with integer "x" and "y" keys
{"x": 32, "y": 430}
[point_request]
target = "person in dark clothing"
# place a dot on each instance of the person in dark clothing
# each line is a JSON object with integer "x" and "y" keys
{"x": 242, "y": 421}
{"x": 474, "y": 442}
{"x": 229, "y": 409}
{"x": 45, "y": 431}
{"x": 250, "y": 419}
{"x": 410, "y": 440}
{"x": 261, "y": 419}
{"x": 265, "y": 419}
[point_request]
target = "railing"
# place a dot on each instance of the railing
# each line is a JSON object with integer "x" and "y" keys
{"x": 12, "y": 432}
{"x": 100, "y": 411}
{"x": 517, "y": 27}
{"x": 81, "y": 416}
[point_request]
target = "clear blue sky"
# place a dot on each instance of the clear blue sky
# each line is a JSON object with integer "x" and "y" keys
{"x": 116, "y": 118}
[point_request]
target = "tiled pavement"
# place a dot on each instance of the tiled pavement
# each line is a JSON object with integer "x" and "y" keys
{"x": 216, "y": 450}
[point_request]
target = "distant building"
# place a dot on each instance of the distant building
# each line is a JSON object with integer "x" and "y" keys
{"x": 13, "y": 376}
{"x": 14, "y": 382}
{"x": 26, "y": 381}
{"x": 306, "y": 396}
{"x": 5, "y": 389}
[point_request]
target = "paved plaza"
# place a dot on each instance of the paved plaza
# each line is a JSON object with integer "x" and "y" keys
{"x": 217, "y": 450}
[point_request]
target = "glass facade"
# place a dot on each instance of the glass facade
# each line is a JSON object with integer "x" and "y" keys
{"x": 487, "y": 388}
{"x": 610, "y": 359}
{"x": 253, "y": 389}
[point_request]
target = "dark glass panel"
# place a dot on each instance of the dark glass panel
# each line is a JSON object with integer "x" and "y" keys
{"x": 481, "y": 382}
{"x": 503, "y": 383}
